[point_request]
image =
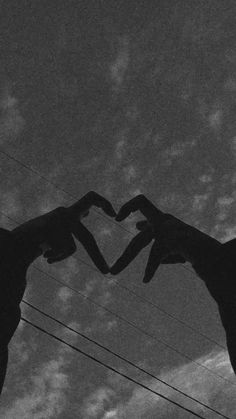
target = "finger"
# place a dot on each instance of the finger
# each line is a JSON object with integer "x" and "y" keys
{"x": 60, "y": 257}
{"x": 156, "y": 255}
{"x": 61, "y": 251}
{"x": 93, "y": 198}
{"x": 142, "y": 204}
{"x": 85, "y": 214}
{"x": 91, "y": 247}
{"x": 174, "y": 259}
{"x": 135, "y": 246}
{"x": 142, "y": 225}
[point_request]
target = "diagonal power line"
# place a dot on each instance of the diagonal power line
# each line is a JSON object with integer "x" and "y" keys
{"x": 35, "y": 172}
{"x": 139, "y": 329}
{"x": 114, "y": 369}
{"x": 84, "y": 336}
{"x": 133, "y": 325}
{"x": 141, "y": 298}
{"x": 71, "y": 196}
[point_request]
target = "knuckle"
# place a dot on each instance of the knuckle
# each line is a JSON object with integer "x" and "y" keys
{"x": 141, "y": 199}
{"x": 90, "y": 194}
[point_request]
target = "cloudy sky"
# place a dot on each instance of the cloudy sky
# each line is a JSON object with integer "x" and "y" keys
{"x": 121, "y": 98}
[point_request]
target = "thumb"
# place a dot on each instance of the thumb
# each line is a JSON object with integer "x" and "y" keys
{"x": 157, "y": 254}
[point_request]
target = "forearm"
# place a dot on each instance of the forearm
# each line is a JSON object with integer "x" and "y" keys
{"x": 220, "y": 269}
{"x": 201, "y": 248}
{"x": 203, "y": 252}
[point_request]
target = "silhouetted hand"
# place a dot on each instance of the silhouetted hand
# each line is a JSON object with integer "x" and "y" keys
{"x": 174, "y": 241}
{"x": 64, "y": 222}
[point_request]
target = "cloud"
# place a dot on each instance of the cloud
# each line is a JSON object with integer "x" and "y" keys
{"x": 206, "y": 178}
{"x": 130, "y": 173}
{"x": 67, "y": 270}
{"x": 99, "y": 290}
{"x": 44, "y": 393}
{"x": 64, "y": 294}
{"x": 225, "y": 204}
{"x": 11, "y": 121}
{"x": 46, "y": 397}
{"x": 191, "y": 380}
{"x": 199, "y": 202}
{"x": 112, "y": 414}
{"x": 103, "y": 233}
{"x": 215, "y": 119}
{"x": 119, "y": 67}
{"x": 225, "y": 233}
{"x": 21, "y": 350}
{"x": 97, "y": 402}
{"x": 121, "y": 143}
{"x": 10, "y": 203}
{"x": 233, "y": 145}
{"x": 64, "y": 297}
{"x": 176, "y": 150}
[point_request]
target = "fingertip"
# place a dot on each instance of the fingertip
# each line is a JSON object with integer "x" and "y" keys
{"x": 113, "y": 271}
{"x": 119, "y": 217}
{"x": 112, "y": 212}
{"x": 105, "y": 270}
{"x": 109, "y": 210}
{"x": 146, "y": 279}
{"x": 103, "y": 267}
{"x": 141, "y": 225}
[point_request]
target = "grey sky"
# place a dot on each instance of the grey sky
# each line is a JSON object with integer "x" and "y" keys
{"x": 122, "y": 98}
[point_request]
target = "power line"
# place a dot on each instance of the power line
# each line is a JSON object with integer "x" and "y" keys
{"x": 143, "y": 299}
{"x": 71, "y": 196}
{"x": 151, "y": 336}
{"x": 102, "y": 215}
{"x": 35, "y": 172}
{"x": 147, "y": 301}
{"x": 134, "y": 326}
{"x": 120, "y": 286}
{"x": 111, "y": 368}
{"x": 121, "y": 358}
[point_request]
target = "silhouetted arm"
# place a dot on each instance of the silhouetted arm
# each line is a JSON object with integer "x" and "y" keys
{"x": 177, "y": 242}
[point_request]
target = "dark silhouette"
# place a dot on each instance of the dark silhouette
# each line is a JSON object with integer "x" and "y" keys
{"x": 178, "y": 242}
{"x": 50, "y": 235}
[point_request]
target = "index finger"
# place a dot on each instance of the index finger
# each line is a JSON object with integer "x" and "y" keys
{"x": 142, "y": 204}
{"x": 132, "y": 250}
{"x": 93, "y": 198}
{"x": 88, "y": 241}
{"x": 156, "y": 255}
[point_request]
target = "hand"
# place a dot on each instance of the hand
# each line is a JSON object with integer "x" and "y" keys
{"x": 68, "y": 222}
{"x": 174, "y": 241}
